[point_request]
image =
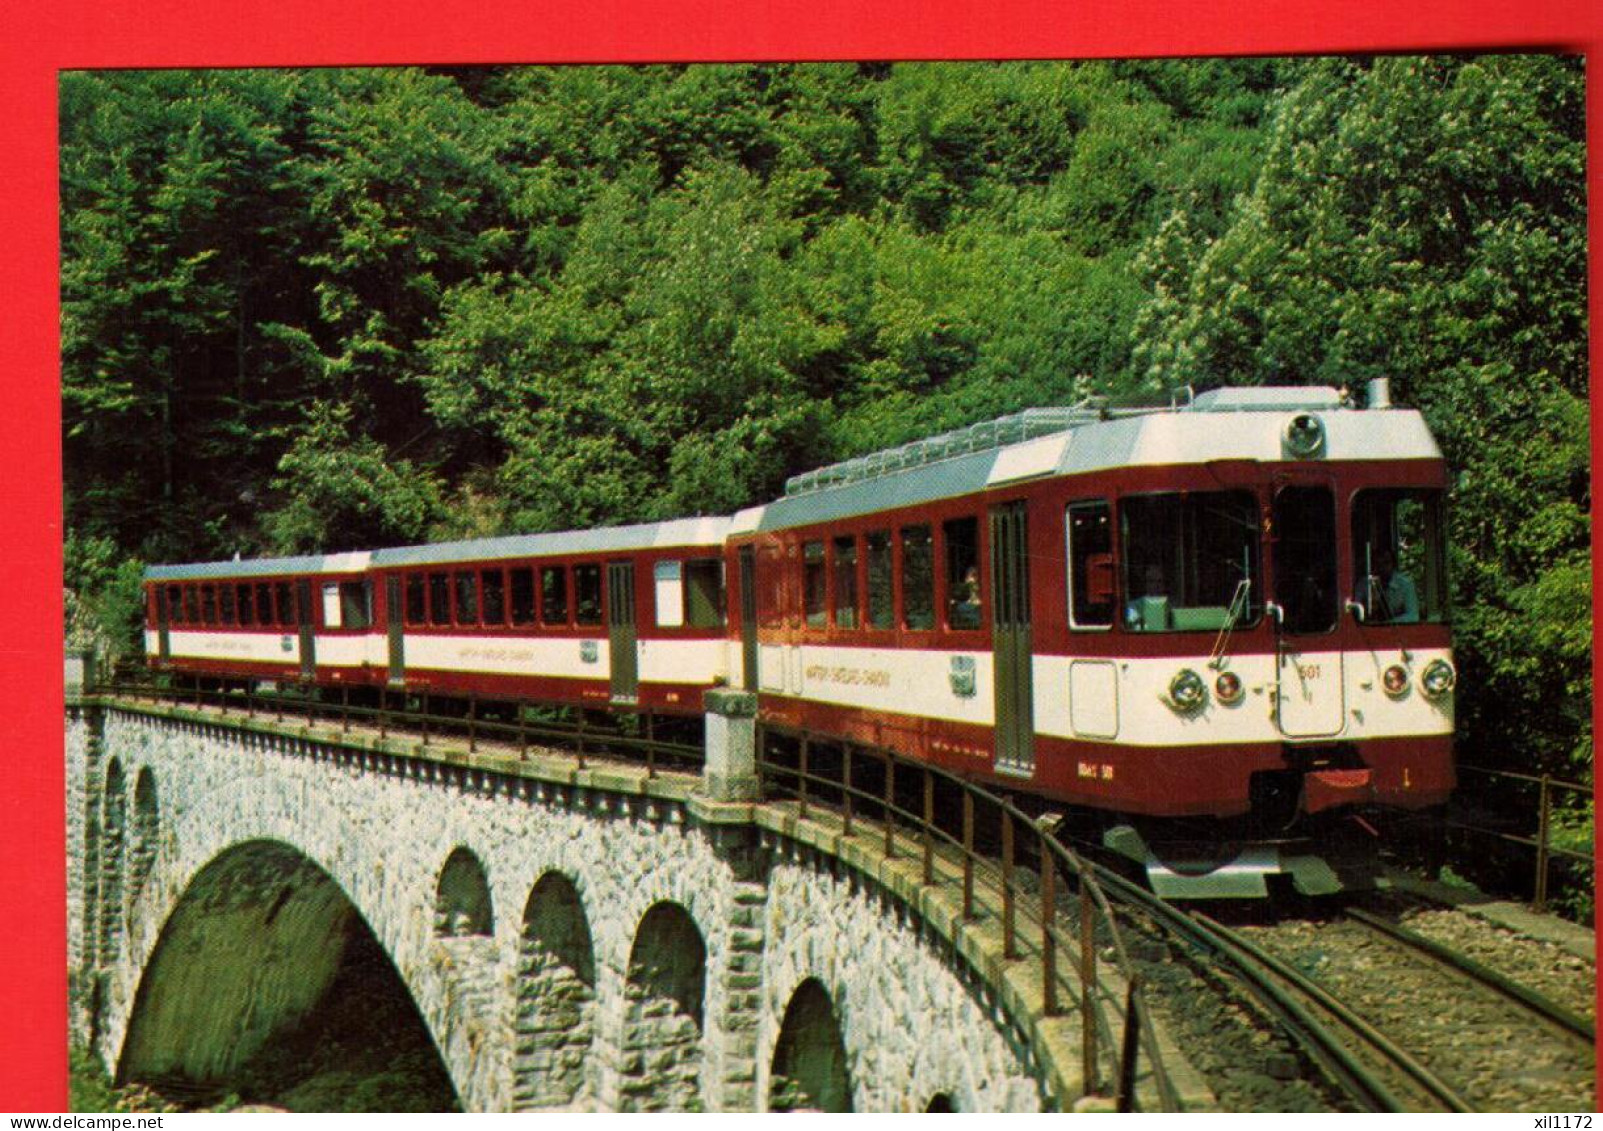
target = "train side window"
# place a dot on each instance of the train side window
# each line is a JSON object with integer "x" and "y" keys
{"x": 961, "y": 537}
{"x": 356, "y": 604}
{"x": 918, "y": 578}
{"x": 492, "y": 584}
{"x": 417, "y": 599}
{"x": 554, "y": 595}
{"x": 284, "y": 598}
{"x": 523, "y": 595}
{"x": 264, "y": 605}
{"x": 668, "y": 585}
{"x": 245, "y": 601}
{"x": 467, "y": 599}
{"x": 226, "y": 613}
{"x": 845, "y": 610}
{"x": 813, "y": 584}
{"x": 704, "y": 593}
{"x": 332, "y": 617}
{"x": 1090, "y": 533}
{"x": 770, "y": 588}
{"x": 881, "y": 597}
{"x": 208, "y": 604}
{"x": 587, "y": 593}
{"x": 439, "y": 599}
{"x": 175, "y": 603}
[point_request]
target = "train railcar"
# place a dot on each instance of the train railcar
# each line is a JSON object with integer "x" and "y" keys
{"x": 629, "y": 615}
{"x": 1168, "y": 614}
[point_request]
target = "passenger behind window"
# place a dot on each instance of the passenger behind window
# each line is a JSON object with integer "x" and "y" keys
{"x": 1389, "y": 595}
{"x": 965, "y": 601}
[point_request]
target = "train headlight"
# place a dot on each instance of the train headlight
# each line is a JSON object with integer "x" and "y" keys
{"x": 1304, "y": 435}
{"x": 1395, "y": 681}
{"x": 1186, "y": 690}
{"x": 1228, "y": 687}
{"x": 1438, "y": 678}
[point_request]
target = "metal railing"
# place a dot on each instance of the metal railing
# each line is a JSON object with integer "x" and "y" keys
{"x": 1546, "y": 850}
{"x": 629, "y": 729}
{"x": 971, "y": 833}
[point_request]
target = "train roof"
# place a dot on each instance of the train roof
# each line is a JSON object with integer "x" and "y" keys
{"x": 687, "y": 532}
{"x": 1225, "y": 424}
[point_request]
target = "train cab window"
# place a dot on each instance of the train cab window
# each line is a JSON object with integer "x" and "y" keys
{"x": 668, "y": 583}
{"x": 417, "y": 599}
{"x": 554, "y": 595}
{"x": 814, "y": 584}
{"x": 1305, "y": 558}
{"x": 439, "y": 599}
{"x": 961, "y": 537}
{"x": 1399, "y": 572}
{"x": 881, "y": 598}
{"x": 356, "y": 604}
{"x": 492, "y": 586}
{"x": 467, "y": 599}
{"x": 1090, "y": 532}
{"x": 246, "y": 604}
{"x": 587, "y": 594}
{"x": 225, "y": 605}
{"x": 523, "y": 595}
{"x": 208, "y": 604}
{"x": 704, "y": 593}
{"x": 284, "y": 598}
{"x": 845, "y": 610}
{"x": 1190, "y": 561}
{"x": 918, "y": 578}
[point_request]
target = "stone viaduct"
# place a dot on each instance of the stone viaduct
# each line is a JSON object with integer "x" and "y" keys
{"x": 591, "y": 939}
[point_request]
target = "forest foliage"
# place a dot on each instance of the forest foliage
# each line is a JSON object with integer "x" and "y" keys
{"x": 328, "y": 309}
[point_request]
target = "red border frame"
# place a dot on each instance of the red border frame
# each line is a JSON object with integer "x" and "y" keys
{"x": 36, "y": 43}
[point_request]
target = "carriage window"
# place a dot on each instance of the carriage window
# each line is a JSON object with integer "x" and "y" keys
{"x": 467, "y": 599}
{"x": 962, "y": 539}
{"x": 284, "y": 596}
{"x": 813, "y": 584}
{"x": 264, "y": 605}
{"x": 881, "y": 611}
{"x": 1090, "y": 565}
{"x": 770, "y": 588}
{"x": 1190, "y": 560}
{"x": 356, "y": 604}
{"x": 175, "y": 603}
{"x": 587, "y": 594}
{"x": 417, "y": 599}
{"x": 208, "y": 604}
{"x": 670, "y": 594}
{"x": 1398, "y": 556}
{"x": 846, "y": 582}
{"x": 331, "y": 606}
{"x": 247, "y": 605}
{"x": 918, "y": 577}
{"x": 704, "y": 593}
{"x": 554, "y": 594}
{"x": 225, "y": 604}
{"x": 523, "y": 595}
{"x": 439, "y": 598}
{"x": 493, "y": 586}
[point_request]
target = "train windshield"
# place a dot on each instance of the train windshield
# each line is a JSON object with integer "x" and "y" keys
{"x": 1398, "y": 557}
{"x": 1190, "y": 561}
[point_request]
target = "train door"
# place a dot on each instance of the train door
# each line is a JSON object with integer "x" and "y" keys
{"x": 303, "y": 613}
{"x": 1010, "y": 621}
{"x": 164, "y": 644}
{"x": 1310, "y": 688}
{"x": 395, "y": 616}
{"x": 748, "y": 617}
{"x": 621, "y": 631}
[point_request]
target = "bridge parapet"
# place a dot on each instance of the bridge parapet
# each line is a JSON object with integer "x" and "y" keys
{"x": 580, "y": 992}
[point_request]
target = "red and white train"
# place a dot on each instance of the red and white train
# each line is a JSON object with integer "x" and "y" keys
{"x": 1233, "y": 607}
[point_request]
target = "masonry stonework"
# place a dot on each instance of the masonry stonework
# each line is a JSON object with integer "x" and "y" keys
{"x": 637, "y": 956}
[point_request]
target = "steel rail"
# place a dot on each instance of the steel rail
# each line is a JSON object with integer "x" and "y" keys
{"x": 1439, "y": 1089}
{"x": 1572, "y": 1023}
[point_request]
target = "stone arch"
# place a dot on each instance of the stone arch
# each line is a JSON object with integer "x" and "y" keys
{"x": 462, "y": 899}
{"x": 664, "y": 1002}
{"x": 147, "y": 833}
{"x": 113, "y": 831}
{"x": 809, "y": 1067}
{"x": 555, "y": 997}
{"x": 264, "y": 963}
{"x": 941, "y": 1102}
